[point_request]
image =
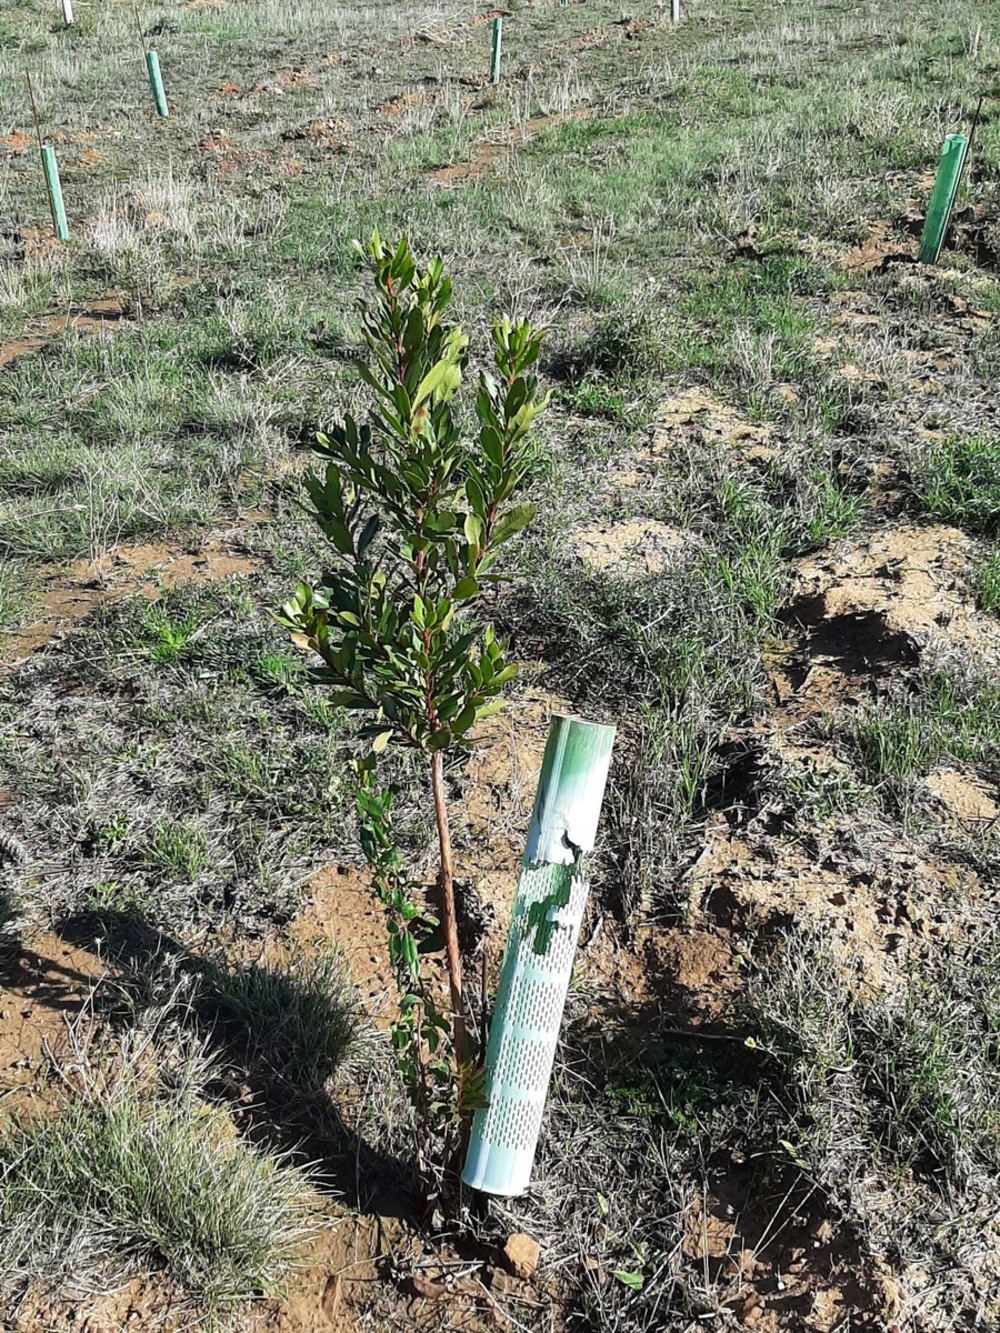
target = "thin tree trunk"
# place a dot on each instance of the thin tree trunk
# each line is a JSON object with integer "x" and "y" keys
{"x": 448, "y": 919}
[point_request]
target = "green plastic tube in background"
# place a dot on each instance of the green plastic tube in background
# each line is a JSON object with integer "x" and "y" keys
{"x": 943, "y": 198}
{"x": 495, "y": 56}
{"x": 54, "y": 189}
{"x": 156, "y": 83}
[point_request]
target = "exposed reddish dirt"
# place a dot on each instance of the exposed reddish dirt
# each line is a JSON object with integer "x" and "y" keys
{"x": 802, "y": 1272}
{"x": 396, "y": 106}
{"x": 622, "y": 30}
{"x": 96, "y": 318}
{"x": 142, "y": 1303}
{"x": 488, "y": 152}
{"x": 43, "y": 987}
{"x": 16, "y": 144}
{"x": 216, "y": 142}
{"x": 337, "y": 1272}
{"x": 340, "y": 909}
{"x": 30, "y": 242}
{"x": 332, "y": 130}
{"x": 70, "y": 596}
{"x": 879, "y": 250}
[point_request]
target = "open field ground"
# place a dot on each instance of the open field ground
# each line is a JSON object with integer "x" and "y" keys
{"x": 767, "y": 547}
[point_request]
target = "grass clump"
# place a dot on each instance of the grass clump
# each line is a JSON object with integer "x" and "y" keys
{"x": 958, "y": 481}
{"x": 295, "y": 1024}
{"x": 905, "y": 1081}
{"x": 141, "y": 1170}
{"x": 987, "y": 583}
{"x": 903, "y": 737}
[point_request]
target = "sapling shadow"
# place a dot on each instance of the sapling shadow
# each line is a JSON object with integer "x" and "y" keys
{"x": 280, "y": 1034}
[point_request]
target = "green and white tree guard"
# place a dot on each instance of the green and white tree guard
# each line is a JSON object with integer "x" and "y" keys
{"x": 548, "y": 909}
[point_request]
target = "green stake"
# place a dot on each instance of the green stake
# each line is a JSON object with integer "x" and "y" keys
{"x": 497, "y": 41}
{"x": 55, "y": 192}
{"x": 153, "y": 67}
{"x": 943, "y": 199}
{"x": 156, "y": 83}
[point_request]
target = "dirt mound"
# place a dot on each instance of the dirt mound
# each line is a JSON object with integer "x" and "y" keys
{"x": 487, "y": 152}
{"x": 643, "y": 546}
{"x": 699, "y": 412}
{"x": 876, "y": 901}
{"x": 69, "y": 596}
{"x": 863, "y": 610}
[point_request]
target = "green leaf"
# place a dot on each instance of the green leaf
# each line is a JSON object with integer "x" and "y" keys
{"x": 474, "y": 529}
{"x": 512, "y": 522}
{"x": 488, "y": 710}
{"x": 348, "y": 699}
{"x": 633, "y": 1280}
{"x": 381, "y": 741}
{"x": 410, "y": 951}
{"x": 466, "y": 588}
{"x": 368, "y": 534}
{"x": 441, "y": 380}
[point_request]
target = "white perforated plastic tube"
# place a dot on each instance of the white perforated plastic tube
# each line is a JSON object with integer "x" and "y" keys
{"x": 538, "y": 962}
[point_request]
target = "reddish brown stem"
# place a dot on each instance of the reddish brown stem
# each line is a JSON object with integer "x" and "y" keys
{"x": 448, "y": 918}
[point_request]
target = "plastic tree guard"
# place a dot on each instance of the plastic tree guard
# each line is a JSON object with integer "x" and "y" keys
{"x": 495, "y": 52}
{"x": 67, "y": 8}
{"x": 538, "y": 962}
{"x": 54, "y": 189}
{"x": 156, "y": 83}
{"x": 943, "y": 198}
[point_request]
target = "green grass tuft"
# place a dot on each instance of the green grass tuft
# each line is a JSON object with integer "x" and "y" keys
{"x": 958, "y": 481}
{"x": 987, "y": 582}
{"x": 143, "y": 1169}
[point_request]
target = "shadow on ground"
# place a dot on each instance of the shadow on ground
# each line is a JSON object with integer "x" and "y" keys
{"x": 278, "y": 1034}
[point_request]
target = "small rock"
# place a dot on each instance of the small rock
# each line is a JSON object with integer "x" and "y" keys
{"x": 520, "y": 1256}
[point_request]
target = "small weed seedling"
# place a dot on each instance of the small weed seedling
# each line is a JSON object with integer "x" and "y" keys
{"x": 414, "y": 513}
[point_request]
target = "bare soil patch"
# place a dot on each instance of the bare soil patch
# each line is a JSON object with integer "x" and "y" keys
{"x": 97, "y": 317}
{"x": 70, "y": 596}
{"x": 44, "y": 987}
{"x": 865, "y": 609}
{"x": 700, "y": 412}
{"x": 643, "y": 546}
{"x": 489, "y": 151}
